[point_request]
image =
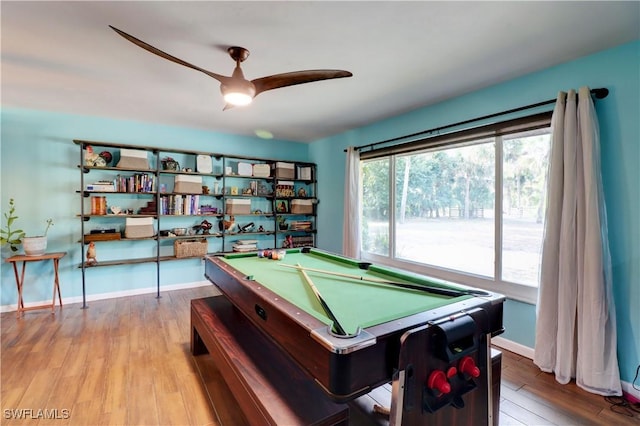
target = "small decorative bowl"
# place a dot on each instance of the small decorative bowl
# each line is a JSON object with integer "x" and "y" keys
{"x": 180, "y": 231}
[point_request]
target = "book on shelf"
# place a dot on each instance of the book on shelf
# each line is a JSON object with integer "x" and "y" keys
{"x": 245, "y": 245}
{"x": 100, "y": 187}
{"x": 303, "y": 172}
{"x": 179, "y": 204}
{"x": 139, "y": 182}
{"x": 301, "y": 225}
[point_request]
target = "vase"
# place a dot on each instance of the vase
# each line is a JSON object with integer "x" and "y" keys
{"x": 34, "y": 246}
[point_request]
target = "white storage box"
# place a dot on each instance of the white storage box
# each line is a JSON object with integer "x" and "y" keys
{"x": 139, "y": 227}
{"x": 301, "y": 207}
{"x": 238, "y": 206}
{"x": 261, "y": 170}
{"x": 204, "y": 164}
{"x": 188, "y": 184}
{"x": 245, "y": 169}
{"x": 133, "y": 159}
{"x": 284, "y": 170}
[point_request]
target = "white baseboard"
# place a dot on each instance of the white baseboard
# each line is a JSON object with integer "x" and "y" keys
{"x": 112, "y": 295}
{"x": 628, "y": 389}
{"x": 527, "y": 352}
{"x": 514, "y": 347}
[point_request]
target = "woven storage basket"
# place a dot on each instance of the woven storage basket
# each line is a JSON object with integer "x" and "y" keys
{"x": 190, "y": 248}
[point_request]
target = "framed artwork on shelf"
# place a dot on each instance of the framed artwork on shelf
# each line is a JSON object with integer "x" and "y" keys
{"x": 282, "y": 206}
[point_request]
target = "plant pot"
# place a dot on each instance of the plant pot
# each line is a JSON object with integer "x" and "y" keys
{"x": 34, "y": 246}
{"x": 170, "y": 165}
{"x": 283, "y": 226}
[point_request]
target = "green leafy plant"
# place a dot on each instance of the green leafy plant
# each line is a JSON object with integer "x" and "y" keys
{"x": 49, "y": 224}
{"x": 13, "y": 237}
{"x": 282, "y": 223}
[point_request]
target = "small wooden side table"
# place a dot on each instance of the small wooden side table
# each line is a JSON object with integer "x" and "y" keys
{"x": 20, "y": 278}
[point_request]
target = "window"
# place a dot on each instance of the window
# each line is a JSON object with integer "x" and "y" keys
{"x": 431, "y": 207}
{"x": 375, "y": 207}
{"x": 525, "y": 160}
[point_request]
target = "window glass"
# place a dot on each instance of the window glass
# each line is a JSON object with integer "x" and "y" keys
{"x": 375, "y": 206}
{"x": 445, "y": 208}
{"x": 429, "y": 205}
{"x": 525, "y": 160}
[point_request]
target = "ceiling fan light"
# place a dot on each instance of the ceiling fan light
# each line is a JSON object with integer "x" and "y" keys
{"x": 238, "y": 93}
{"x": 237, "y": 98}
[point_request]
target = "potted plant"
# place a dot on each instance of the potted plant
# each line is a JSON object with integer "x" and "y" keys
{"x": 8, "y": 236}
{"x": 36, "y": 246}
{"x": 282, "y": 223}
{"x": 33, "y": 246}
{"x": 169, "y": 163}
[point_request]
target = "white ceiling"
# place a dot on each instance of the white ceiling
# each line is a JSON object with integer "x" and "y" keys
{"x": 62, "y": 56}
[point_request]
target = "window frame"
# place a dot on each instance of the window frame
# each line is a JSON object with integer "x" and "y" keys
{"x": 496, "y": 131}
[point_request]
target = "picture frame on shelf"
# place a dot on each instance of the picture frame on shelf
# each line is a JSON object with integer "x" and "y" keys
{"x": 282, "y": 206}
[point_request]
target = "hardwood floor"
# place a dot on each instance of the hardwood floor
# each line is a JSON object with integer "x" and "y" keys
{"x": 127, "y": 361}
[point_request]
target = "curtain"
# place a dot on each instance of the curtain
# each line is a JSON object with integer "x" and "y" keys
{"x": 351, "y": 224}
{"x": 576, "y": 324}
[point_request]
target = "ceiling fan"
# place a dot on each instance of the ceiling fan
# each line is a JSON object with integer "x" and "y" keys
{"x": 237, "y": 90}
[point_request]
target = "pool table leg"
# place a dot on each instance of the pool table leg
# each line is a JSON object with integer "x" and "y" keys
{"x": 197, "y": 345}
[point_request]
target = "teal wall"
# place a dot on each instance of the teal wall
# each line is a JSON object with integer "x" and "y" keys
{"x": 39, "y": 160}
{"x": 617, "y": 69}
{"x": 38, "y": 169}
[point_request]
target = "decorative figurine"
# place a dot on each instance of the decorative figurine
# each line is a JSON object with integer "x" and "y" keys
{"x": 91, "y": 254}
{"x": 106, "y": 155}
{"x": 288, "y": 242}
{"x": 91, "y": 157}
{"x": 227, "y": 225}
{"x": 205, "y": 226}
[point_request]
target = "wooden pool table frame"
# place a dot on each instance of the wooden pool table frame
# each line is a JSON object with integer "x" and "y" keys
{"x": 344, "y": 371}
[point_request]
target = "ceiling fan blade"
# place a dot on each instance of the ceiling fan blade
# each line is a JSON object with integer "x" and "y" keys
{"x": 297, "y": 77}
{"x": 221, "y": 78}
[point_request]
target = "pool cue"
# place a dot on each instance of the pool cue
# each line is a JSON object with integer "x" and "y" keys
{"x": 427, "y": 288}
{"x": 326, "y": 308}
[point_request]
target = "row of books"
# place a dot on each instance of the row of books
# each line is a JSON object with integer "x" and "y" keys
{"x": 306, "y": 241}
{"x": 301, "y": 225}
{"x": 180, "y": 204}
{"x": 101, "y": 186}
{"x": 139, "y": 182}
{"x": 303, "y": 172}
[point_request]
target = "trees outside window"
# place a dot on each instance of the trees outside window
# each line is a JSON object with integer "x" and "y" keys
{"x": 444, "y": 220}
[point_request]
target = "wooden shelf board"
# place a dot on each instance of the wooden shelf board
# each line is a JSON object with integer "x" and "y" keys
{"x": 189, "y": 215}
{"x": 89, "y": 193}
{"x": 179, "y": 172}
{"x": 120, "y": 262}
{"x": 117, "y": 169}
{"x": 117, "y": 215}
{"x": 194, "y": 237}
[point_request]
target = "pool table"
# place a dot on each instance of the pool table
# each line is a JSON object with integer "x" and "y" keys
{"x": 377, "y": 317}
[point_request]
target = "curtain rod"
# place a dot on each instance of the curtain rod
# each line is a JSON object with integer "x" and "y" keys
{"x": 599, "y": 93}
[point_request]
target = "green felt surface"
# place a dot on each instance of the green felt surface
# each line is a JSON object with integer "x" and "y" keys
{"x": 354, "y": 303}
